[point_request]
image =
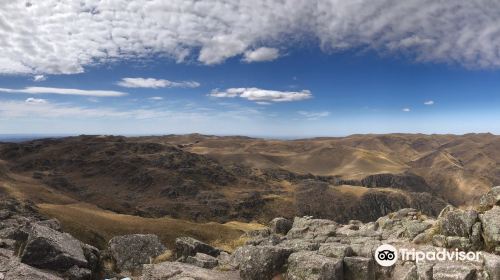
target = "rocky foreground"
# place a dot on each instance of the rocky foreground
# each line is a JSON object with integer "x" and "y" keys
{"x": 307, "y": 248}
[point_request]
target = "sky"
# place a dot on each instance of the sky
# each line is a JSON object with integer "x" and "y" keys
{"x": 259, "y": 68}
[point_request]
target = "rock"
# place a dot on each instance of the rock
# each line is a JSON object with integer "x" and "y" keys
{"x": 490, "y": 199}
{"x": 458, "y": 222}
{"x": 183, "y": 271}
{"x": 47, "y": 248}
{"x": 261, "y": 262}
{"x": 130, "y": 252}
{"x": 424, "y": 270}
{"x": 414, "y": 228}
{"x": 335, "y": 250}
{"x": 26, "y": 272}
{"x": 52, "y": 223}
{"x": 492, "y": 265}
{"x": 453, "y": 270}
{"x": 358, "y": 268}
{"x": 296, "y": 245}
{"x": 78, "y": 273}
{"x": 280, "y": 225}
{"x": 461, "y": 243}
{"x": 202, "y": 260}
{"x": 439, "y": 241}
{"x": 491, "y": 227}
{"x": 406, "y": 271}
{"x": 311, "y": 266}
{"x": 312, "y": 229}
{"x": 92, "y": 255}
{"x": 187, "y": 246}
{"x": 476, "y": 238}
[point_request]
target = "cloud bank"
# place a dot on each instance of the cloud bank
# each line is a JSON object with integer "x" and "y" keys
{"x": 261, "y": 54}
{"x": 155, "y": 83}
{"x": 54, "y": 37}
{"x": 65, "y": 91}
{"x": 262, "y": 96}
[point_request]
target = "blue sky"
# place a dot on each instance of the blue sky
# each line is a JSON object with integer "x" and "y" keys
{"x": 270, "y": 89}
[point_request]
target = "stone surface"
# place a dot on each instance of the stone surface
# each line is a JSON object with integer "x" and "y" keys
{"x": 261, "y": 262}
{"x": 406, "y": 271}
{"x": 491, "y": 198}
{"x": 183, "y": 271}
{"x": 187, "y": 246}
{"x": 491, "y": 227}
{"x": 458, "y": 222}
{"x": 280, "y": 225}
{"x": 492, "y": 265}
{"x": 47, "y": 248}
{"x": 311, "y": 266}
{"x": 202, "y": 260}
{"x": 335, "y": 250}
{"x": 359, "y": 268}
{"x": 130, "y": 252}
{"x": 25, "y": 272}
{"x": 453, "y": 271}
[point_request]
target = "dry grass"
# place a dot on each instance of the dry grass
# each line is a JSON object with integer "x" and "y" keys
{"x": 168, "y": 255}
{"x": 96, "y": 226}
{"x": 230, "y": 245}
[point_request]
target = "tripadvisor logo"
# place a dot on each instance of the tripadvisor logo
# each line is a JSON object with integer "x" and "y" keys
{"x": 388, "y": 255}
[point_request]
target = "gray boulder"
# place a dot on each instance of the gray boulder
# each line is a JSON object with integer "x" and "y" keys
{"x": 453, "y": 270}
{"x": 406, "y": 271}
{"x": 312, "y": 229}
{"x": 492, "y": 265}
{"x": 458, "y": 222}
{"x": 187, "y": 246}
{"x": 130, "y": 252}
{"x": 359, "y": 268}
{"x": 78, "y": 273}
{"x": 490, "y": 199}
{"x": 311, "y": 266}
{"x": 280, "y": 225}
{"x": 335, "y": 250}
{"x": 52, "y": 223}
{"x": 26, "y": 272}
{"x": 47, "y": 248}
{"x": 202, "y": 260}
{"x": 183, "y": 271}
{"x": 491, "y": 228}
{"x": 261, "y": 262}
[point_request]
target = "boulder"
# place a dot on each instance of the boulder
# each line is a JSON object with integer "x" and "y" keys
{"x": 492, "y": 265}
{"x": 312, "y": 229}
{"x": 311, "y": 266}
{"x": 461, "y": 243}
{"x": 178, "y": 271}
{"x": 490, "y": 199}
{"x": 47, "y": 248}
{"x": 439, "y": 240}
{"x": 453, "y": 270}
{"x": 280, "y": 225}
{"x": 406, "y": 271}
{"x": 187, "y": 246}
{"x": 26, "y": 272}
{"x": 202, "y": 260}
{"x": 130, "y": 252}
{"x": 359, "y": 268}
{"x": 491, "y": 228}
{"x": 458, "y": 222}
{"x": 78, "y": 273}
{"x": 296, "y": 245}
{"x": 52, "y": 223}
{"x": 261, "y": 262}
{"x": 335, "y": 250}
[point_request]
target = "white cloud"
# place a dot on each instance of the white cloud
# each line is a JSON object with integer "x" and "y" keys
{"x": 53, "y": 37}
{"x": 261, "y": 54}
{"x": 39, "y": 78}
{"x": 314, "y": 115}
{"x": 430, "y": 102}
{"x": 156, "y": 98}
{"x": 262, "y": 95}
{"x": 155, "y": 83}
{"x": 406, "y": 109}
{"x": 32, "y": 100}
{"x": 65, "y": 91}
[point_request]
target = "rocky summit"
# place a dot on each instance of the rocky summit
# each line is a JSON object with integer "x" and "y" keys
{"x": 33, "y": 247}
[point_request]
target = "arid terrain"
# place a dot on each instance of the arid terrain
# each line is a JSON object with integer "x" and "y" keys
{"x": 191, "y": 180}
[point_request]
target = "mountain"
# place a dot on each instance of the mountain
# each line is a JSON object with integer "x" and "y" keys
{"x": 200, "y": 178}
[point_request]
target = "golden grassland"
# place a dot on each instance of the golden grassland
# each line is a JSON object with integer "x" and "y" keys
{"x": 96, "y": 226}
